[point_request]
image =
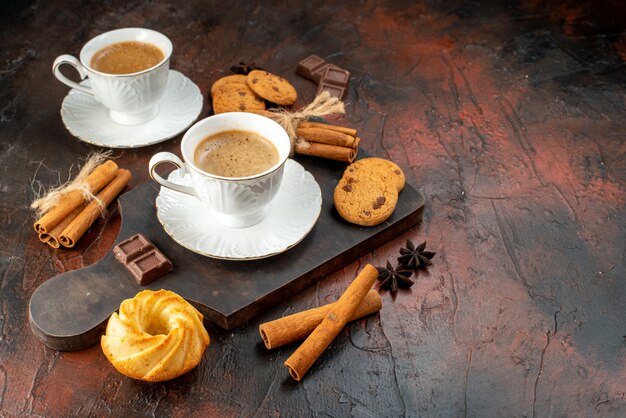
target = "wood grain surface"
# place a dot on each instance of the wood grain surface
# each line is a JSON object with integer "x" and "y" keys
{"x": 510, "y": 118}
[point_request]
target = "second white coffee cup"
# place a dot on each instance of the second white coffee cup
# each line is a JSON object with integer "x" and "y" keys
{"x": 132, "y": 99}
{"x": 232, "y": 201}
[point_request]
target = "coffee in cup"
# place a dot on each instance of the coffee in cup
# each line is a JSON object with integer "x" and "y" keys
{"x": 236, "y": 200}
{"x": 235, "y": 154}
{"x": 126, "y": 57}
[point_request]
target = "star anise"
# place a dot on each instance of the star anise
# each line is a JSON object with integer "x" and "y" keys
{"x": 415, "y": 257}
{"x": 244, "y": 69}
{"x": 391, "y": 278}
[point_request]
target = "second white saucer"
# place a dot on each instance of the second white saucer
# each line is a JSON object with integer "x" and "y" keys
{"x": 293, "y": 213}
{"x": 88, "y": 120}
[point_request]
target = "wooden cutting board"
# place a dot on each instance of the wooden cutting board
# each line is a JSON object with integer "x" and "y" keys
{"x": 69, "y": 311}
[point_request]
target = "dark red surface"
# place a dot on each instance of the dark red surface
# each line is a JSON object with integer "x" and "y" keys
{"x": 511, "y": 119}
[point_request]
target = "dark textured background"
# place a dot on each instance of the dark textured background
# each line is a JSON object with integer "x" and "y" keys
{"x": 509, "y": 116}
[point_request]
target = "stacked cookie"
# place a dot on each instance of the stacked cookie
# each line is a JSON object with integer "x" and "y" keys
{"x": 248, "y": 93}
{"x": 368, "y": 191}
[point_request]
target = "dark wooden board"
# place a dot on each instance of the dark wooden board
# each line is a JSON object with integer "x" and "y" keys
{"x": 69, "y": 311}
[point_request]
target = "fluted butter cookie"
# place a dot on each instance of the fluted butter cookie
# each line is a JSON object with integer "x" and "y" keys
{"x": 156, "y": 336}
{"x": 272, "y": 88}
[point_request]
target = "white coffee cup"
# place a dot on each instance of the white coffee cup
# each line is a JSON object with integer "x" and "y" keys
{"x": 132, "y": 99}
{"x": 236, "y": 202}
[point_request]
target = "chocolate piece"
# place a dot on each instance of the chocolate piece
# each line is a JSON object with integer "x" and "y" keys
{"x": 149, "y": 267}
{"x": 132, "y": 248}
{"x": 331, "y": 78}
{"x": 145, "y": 262}
{"x": 337, "y": 76}
{"x": 308, "y": 66}
{"x": 336, "y": 91}
{"x": 318, "y": 74}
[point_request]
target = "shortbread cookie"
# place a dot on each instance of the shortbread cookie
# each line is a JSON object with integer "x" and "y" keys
{"x": 365, "y": 199}
{"x": 235, "y": 97}
{"x": 229, "y": 79}
{"x": 387, "y": 170}
{"x": 272, "y": 87}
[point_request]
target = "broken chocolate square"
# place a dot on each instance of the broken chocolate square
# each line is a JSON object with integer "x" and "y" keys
{"x": 335, "y": 91}
{"x": 337, "y": 76}
{"x": 149, "y": 267}
{"x": 131, "y": 248}
{"x": 328, "y": 76}
{"x": 318, "y": 74}
{"x": 310, "y": 65}
{"x": 145, "y": 262}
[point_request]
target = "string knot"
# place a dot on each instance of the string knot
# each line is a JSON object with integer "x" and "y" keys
{"x": 323, "y": 104}
{"x": 54, "y": 195}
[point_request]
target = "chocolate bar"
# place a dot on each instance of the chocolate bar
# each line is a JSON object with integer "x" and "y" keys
{"x": 310, "y": 68}
{"x": 144, "y": 261}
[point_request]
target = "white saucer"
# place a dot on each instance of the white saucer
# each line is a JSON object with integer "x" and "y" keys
{"x": 89, "y": 121}
{"x": 293, "y": 213}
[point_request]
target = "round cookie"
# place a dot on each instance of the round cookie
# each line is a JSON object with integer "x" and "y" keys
{"x": 229, "y": 79}
{"x": 235, "y": 97}
{"x": 272, "y": 87}
{"x": 365, "y": 199}
{"x": 387, "y": 170}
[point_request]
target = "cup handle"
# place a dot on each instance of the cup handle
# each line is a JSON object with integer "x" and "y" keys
{"x": 168, "y": 157}
{"x": 68, "y": 59}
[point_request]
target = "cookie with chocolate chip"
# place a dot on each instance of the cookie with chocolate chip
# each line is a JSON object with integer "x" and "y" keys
{"x": 272, "y": 88}
{"x": 364, "y": 198}
{"x": 236, "y": 97}
{"x": 229, "y": 79}
{"x": 387, "y": 170}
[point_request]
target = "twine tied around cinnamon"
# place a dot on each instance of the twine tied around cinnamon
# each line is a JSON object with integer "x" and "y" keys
{"x": 53, "y": 196}
{"x": 323, "y": 104}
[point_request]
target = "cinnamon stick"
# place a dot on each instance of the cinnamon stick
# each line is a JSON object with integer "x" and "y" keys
{"x": 52, "y": 238}
{"x": 315, "y": 344}
{"x": 332, "y": 152}
{"x": 325, "y": 136}
{"x": 72, "y": 233}
{"x": 99, "y": 177}
{"x": 348, "y": 131}
{"x": 298, "y": 326}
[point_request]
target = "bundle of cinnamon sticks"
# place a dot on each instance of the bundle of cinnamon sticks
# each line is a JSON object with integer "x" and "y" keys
{"x": 69, "y": 219}
{"x": 321, "y": 325}
{"x": 327, "y": 141}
